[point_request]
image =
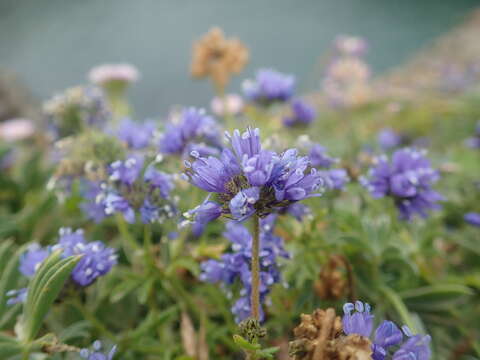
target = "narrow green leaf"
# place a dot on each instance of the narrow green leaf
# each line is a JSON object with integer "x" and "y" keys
{"x": 34, "y": 283}
{"x": 9, "y": 346}
{"x": 401, "y": 308}
{"x": 244, "y": 344}
{"x": 9, "y": 277}
{"x": 46, "y": 285}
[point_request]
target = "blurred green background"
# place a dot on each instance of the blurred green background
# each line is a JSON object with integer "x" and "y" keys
{"x": 52, "y": 44}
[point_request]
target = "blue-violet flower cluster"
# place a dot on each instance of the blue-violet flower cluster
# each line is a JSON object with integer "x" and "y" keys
{"x": 132, "y": 189}
{"x": 194, "y": 130}
{"x": 97, "y": 260}
{"x": 302, "y": 114}
{"x": 268, "y": 87}
{"x": 96, "y": 353}
{"x": 387, "y": 339}
{"x": 237, "y": 264}
{"x": 249, "y": 180}
{"x": 407, "y": 178}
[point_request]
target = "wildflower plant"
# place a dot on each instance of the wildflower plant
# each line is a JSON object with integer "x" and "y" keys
{"x": 247, "y": 181}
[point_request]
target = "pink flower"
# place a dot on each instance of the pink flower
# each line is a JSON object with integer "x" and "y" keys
{"x": 102, "y": 74}
{"x": 232, "y": 104}
{"x": 16, "y": 129}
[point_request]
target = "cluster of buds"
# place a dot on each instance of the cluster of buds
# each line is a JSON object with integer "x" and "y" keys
{"x": 219, "y": 58}
{"x": 75, "y": 109}
{"x": 86, "y": 155}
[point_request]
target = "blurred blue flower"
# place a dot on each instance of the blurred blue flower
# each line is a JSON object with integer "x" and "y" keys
{"x": 472, "y": 218}
{"x": 32, "y": 258}
{"x": 195, "y": 130}
{"x": 408, "y": 179}
{"x": 474, "y": 141}
{"x": 269, "y": 86}
{"x": 96, "y": 353}
{"x": 301, "y": 113}
{"x": 135, "y": 134}
{"x": 387, "y": 138}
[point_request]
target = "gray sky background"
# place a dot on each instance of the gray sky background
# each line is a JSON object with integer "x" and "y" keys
{"x": 52, "y": 44}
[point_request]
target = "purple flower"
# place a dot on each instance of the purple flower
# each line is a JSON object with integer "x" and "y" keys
{"x": 416, "y": 347}
{"x": 408, "y": 179}
{"x": 387, "y": 139}
{"x": 17, "y": 296}
{"x": 235, "y": 266}
{"x": 93, "y": 205}
{"x": 115, "y": 203}
{"x": 319, "y": 157}
{"x": 136, "y": 135}
{"x": 472, "y": 218}
{"x": 158, "y": 179}
{"x": 132, "y": 189}
{"x": 358, "y": 320}
{"x": 295, "y": 181}
{"x": 474, "y": 141}
{"x": 126, "y": 171}
{"x": 387, "y": 334}
{"x": 298, "y": 211}
{"x": 241, "y": 205}
{"x": 97, "y": 259}
{"x": 96, "y": 353}
{"x": 302, "y": 113}
{"x": 250, "y": 180}
{"x": 194, "y": 127}
{"x": 269, "y": 86}
{"x": 335, "y": 178}
{"x": 31, "y": 260}
{"x": 204, "y": 213}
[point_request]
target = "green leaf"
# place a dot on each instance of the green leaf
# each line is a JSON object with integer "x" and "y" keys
{"x": 9, "y": 346}
{"x": 267, "y": 353}
{"x": 152, "y": 321}
{"x": 401, "y": 308}
{"x": 43, "y": 290}
{"x": 435, "y": 297}
{"x": 79, "y": 329}
{"x": 9, "y": 274}
{"x": 244, "y": 344}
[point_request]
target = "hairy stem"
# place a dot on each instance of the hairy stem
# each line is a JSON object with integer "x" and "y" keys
{"x": 256, "y": 268}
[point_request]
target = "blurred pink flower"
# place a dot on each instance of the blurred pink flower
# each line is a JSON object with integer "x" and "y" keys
{"x": 16, "y": 129}
{"x": 232, "y": 104}
{"x": 103, "y": 74}
{"x": 350, "y": 45}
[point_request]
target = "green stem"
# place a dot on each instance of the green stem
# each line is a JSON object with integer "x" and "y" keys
{"x": 256, "y": 268}
{"x": 129, "y": 243}
{"x": 93, "y": 320}
{"x": 147, "y": 243}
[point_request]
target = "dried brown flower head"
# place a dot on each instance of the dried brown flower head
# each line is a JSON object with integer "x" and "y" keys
{"x": 331, "y": 283}
{"x": 217, "y": 57}
{"x": 319, "y": 337}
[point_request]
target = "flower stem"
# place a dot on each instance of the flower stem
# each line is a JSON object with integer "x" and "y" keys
{"x": 128, "y": 241}
{"x": 256, "y": 269}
